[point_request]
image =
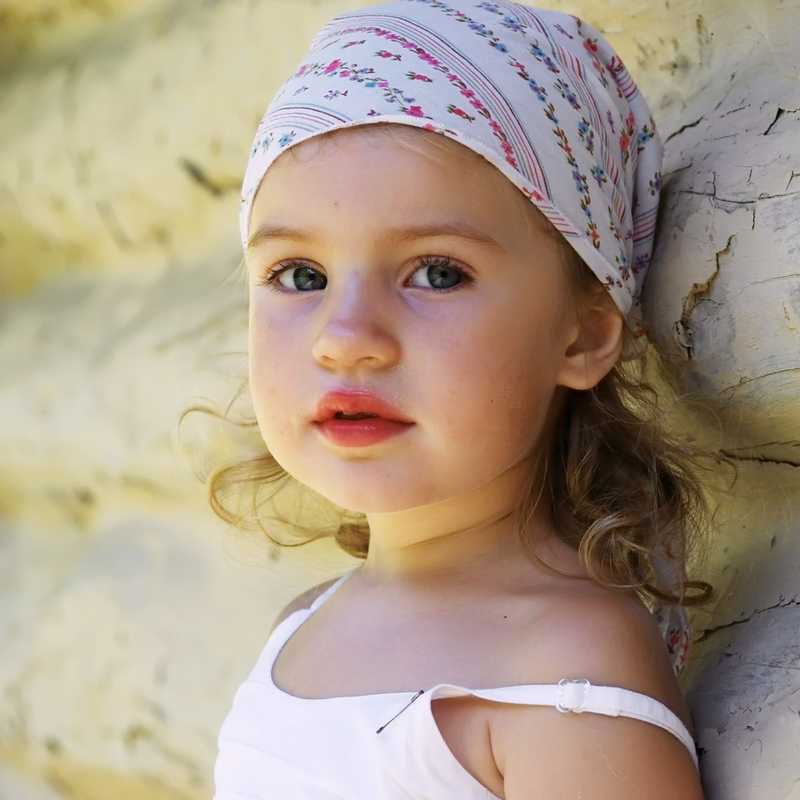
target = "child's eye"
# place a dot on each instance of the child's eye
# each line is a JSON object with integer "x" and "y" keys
{"x": 435, "y": 268}
{"x": 270, "y": 277}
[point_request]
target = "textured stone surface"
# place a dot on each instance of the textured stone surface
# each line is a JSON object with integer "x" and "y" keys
{"x": 724, "y": 299}
{"x": 128, "y": 614}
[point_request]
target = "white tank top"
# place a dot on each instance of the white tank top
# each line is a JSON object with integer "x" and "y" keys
{"x": 385, "y": 746}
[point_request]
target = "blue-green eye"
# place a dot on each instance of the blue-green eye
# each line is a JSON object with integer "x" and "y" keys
{"x": 437, "y": 269}
{"x": 270, "y": 278}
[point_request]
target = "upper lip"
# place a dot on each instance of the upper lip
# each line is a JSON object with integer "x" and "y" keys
{"x": 355, "y": 401}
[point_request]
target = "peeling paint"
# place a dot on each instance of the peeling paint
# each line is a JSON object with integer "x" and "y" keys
{"x": 698, "y": 293}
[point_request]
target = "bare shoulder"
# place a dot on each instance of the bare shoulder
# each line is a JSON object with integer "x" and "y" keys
{"x": 303, "y": 600}
{"x": 611, "y": 639}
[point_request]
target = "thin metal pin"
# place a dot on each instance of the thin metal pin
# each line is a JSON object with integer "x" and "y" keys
{"x": 421, "y": 691}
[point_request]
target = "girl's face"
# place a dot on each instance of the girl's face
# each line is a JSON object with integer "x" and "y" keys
{"x": 471, "y": 352}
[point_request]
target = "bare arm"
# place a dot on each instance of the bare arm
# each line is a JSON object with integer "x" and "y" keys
{"x": 541, "y": 752}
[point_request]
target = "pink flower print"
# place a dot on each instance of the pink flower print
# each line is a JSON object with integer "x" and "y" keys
{"x": 350, "y": 44}
{"x": 521, "y": 71}
{"x": 415, "y": 111}
{"x": 594, "y": 234}
{"x": 600, "y": 70}
{"x": 625, "y": 137}
{"x": 507, "y": 149}
{"x": 418, "y": 76}
{"x": 590, "y": 45}
{"x": 473, "y": 101}
{"x": 459, "y": 112}
{"x": 533, "y": 194}
{"x": 563, "y": 141}
{"x": 333, "y": 66}
{"x": 387, "y": 54}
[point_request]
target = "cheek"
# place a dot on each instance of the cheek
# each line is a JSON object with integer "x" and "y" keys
{"x": 272, "y": 377}
{"x": 491, "y": 385}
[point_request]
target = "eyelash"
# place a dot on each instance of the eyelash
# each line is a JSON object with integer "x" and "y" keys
{"x": 270, "y": 277}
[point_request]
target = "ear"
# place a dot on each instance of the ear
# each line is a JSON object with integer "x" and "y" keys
{"x": 594, "y": 343}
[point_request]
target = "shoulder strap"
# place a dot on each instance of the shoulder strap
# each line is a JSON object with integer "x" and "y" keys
{"x": 321, "y": 598}
{"x": 286, "y": 628}
{"x": 577, "y": 695}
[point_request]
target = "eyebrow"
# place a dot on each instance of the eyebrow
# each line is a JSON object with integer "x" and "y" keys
{"x": 463, "y": 230}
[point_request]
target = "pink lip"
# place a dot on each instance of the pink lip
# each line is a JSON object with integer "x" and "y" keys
{"x": 360, "y": 432}
{"x": 355, "y": 401}
{"x": 389, "y": 421}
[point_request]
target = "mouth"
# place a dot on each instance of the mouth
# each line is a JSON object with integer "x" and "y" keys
{"x": 355, "y": 404}
{"x": 359, "y": 429}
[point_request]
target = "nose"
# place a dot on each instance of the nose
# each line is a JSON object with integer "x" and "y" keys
{"x": 356, "y": 330}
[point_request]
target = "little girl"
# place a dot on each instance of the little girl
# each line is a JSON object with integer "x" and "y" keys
{"x": 447, "y": 217}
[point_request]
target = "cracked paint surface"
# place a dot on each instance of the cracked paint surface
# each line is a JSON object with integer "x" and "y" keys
{"x": 723, "y": 298}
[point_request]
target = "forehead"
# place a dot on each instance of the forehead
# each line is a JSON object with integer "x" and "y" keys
{"x": 399, "y": 169}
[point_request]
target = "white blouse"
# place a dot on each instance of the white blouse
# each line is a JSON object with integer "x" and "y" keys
{"x": 273, "y": 745}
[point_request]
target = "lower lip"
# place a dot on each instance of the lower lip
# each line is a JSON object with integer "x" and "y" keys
{"x": 361, "y": 432}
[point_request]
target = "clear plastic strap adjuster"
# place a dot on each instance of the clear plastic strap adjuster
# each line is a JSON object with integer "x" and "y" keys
{"x": 572, "y": 694}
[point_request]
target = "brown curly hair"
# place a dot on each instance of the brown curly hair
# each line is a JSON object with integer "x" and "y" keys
{"x": 621, "y": 488}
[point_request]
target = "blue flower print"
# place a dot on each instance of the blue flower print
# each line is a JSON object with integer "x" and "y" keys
{"x": 563, "y": 89}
